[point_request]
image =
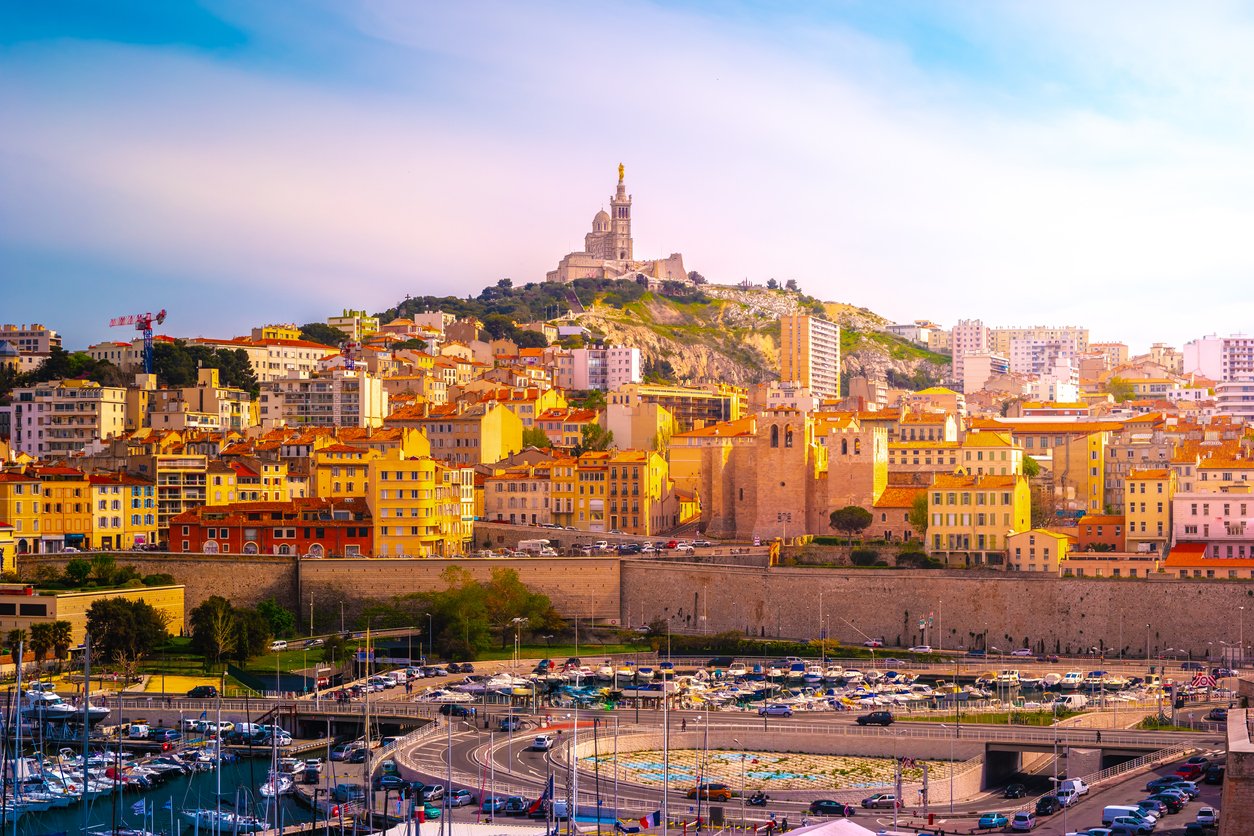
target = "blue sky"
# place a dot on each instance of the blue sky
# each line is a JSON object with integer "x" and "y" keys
{"x": 242, "y": 162}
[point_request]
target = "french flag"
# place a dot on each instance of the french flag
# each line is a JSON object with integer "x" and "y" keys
{"x": 547, "y": 795}
{"x": 653, "y": 819}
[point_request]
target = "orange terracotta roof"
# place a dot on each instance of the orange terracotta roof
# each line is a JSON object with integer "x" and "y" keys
{"x": 948, "y": 480}
{"x": 899, "y": 497}
{"x": 1149, "y": 474}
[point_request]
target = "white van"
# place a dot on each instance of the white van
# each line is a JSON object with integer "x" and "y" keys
{"x": 138, "y": 731}
{"x": 1074, "y": 702}
{"x": 1076, "y": 784}
{"x": 277, "y": 645}
{"x": 1115, "y": 811}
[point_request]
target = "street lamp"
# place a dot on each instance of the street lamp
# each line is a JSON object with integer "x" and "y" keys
{"x": 517, "y": 622}
{"x": 430, "y": 635}
{"x": 951, "y": 767}
{"x": 743, "y": 757}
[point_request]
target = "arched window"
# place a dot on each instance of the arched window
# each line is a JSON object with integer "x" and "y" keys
{"x": 210, "y": 547}
{"x": 285, "y": 549}
{"x": 774, "y": 435}
{"x": 844, "y": 446}
{"x": 857, "y": 447}
{"x": 788, "y": 436}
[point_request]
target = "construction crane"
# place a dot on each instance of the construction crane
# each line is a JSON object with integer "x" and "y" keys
{"x": 143, "y": 324}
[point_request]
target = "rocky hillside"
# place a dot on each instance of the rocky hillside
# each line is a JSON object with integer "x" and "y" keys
{"x": 732, "y": 334}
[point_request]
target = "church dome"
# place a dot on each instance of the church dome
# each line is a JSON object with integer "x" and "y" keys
{"x": 601, "y": 221}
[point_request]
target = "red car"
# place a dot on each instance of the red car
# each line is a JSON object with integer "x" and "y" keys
{"x": 1190, "y": 772}
{"x": 672, "y": 544}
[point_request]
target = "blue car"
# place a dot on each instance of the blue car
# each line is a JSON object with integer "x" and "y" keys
{"x": 492, "y": 805}
{"x": 776, "y": 710}
{"x": 991, "y": 820}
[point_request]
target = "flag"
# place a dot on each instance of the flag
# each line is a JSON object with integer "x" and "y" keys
{"x": 653, "y": 819}
{"x": 138, "y": 808}
{"x": 169, "y": 804}
{"x": 204, "y": 715}
{"x": 547, "y": 795}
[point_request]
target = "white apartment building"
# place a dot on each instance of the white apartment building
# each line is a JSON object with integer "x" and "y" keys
{"x": 978, "y": 369}
{"x": 61, "y": 417}
{"x": 274, "y": 359}
{"x": 1060, "y": 383}
{"x": 809, "y": 354}
{"x": 1235, "y": 398}
{"x": 31, "y": 339}
{"x": 919, "y": 331}
{"x": 1032, "y": 356}
{"x": 969, "y": 336}
{"x": 1071, "y": 335}
{"x": 344, "y": 398}
{"x": 605, "y": 369}
{"x": 1220, "y": 358}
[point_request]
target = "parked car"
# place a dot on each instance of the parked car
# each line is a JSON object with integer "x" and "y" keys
{"x": 881, "y": 800}
{"x": 164, "y": 735}
{"x": 991, "y": 820}
{"x": 712, "y": 791}
{"x": 1015, "y": 791}
{"x": 1208, "y": 816}
{"x": 1192, "y": 666}
{"x": 977, "y": 653}
{"x": 876, "y": 718}
{"x": 1021, "y": 651}
{"x": 1214, "y": 774}
{"x": 203, "y": 692}
{"x": 492, "y": 804}
{"x": 460, "y": 798}
{"x": 348, "y": 792}
{"x": 1047, "y": 805}
{"x": 921, "y": 648}
{"x": 775, "y": 710}
{"x": 1217, "y": 715}
{"x": 1189, "y": 771}
{"x": 389, "y": 782}
{"x": 452, "y": 709}
{"x": 1173, "y": 802}
{"x": 827, "y": 807}
{"x": 277, "y": 645}
{"x": 509, "y": 724}
{"x": 1023, "y": 822}
{"x": 872, "y": 643}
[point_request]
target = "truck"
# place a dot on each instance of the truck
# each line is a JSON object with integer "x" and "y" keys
{"x": 534, "y": 547}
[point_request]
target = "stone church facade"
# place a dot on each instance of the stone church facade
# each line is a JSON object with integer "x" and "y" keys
{"x": 607, "y": 249}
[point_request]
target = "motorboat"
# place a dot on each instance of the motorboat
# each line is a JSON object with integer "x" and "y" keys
{"x": 1093, "y": 680}
{"x": 1007, "y": 677}
{"x": 666, "y": 670}
{"x": 645, "y": 674}
{"x": 221, "y": 821}
{"x": 48, "y": 707}
{"x": 606, "y": 671}
{"x": 1071, "y": 680}
{"x": 737, "y": 669}
{"x": 1050, "y": 681}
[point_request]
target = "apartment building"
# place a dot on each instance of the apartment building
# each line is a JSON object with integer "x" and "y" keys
{"x": 410, "y": 507}
{"x": 59, "y": 418}
{"x": 809, "y": 354}
{"x": 972, "y": 516}
{"x": 181, "y": 480}
{"x": 124, "y": 508}
{"x": 312, "y": 526}
{"x": 1235, "y": 398}
{"x": 969, "y": 336}
{"x": 21, "y": 506}
{"x": 483, "y": 433}
{"x": 605, "y": 368}
{"x": 978, "y": 368}
{"x": 30, "y": 339}
{"x": 1037, "y": 550}
{"x": 344, "y": 398}
{"x": 1149, "y": 494}
{"x": 1218, "y": 521}
{"x": 691, "y": 406}
{"x": 356, "y": 325}
{"x": 520, "y": 494}
{"x": 66, "y": 520}
{"x": 1220, "y": 358}
{"x": 1072, "y": 337}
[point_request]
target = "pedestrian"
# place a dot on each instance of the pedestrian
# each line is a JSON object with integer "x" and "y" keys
{"x": 805, "y": 820}
{"x": 783, "y": 826}
{"x": 1099, "y": 736}
{"x": 683, "y": 725}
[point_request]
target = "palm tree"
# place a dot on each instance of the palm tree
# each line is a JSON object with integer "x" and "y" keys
{"x": 40, "y": 641}
{"x": 15, "y": 638}
{"x": 62, "y": 635}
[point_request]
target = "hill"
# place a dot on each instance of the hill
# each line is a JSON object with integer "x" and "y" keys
{"x": 694, "y": 334}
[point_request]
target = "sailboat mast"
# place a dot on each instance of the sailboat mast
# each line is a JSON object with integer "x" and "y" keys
{"x": 86, "y": 725}
{"x": 17, "y": 745}
{"x": 366, "y": 721}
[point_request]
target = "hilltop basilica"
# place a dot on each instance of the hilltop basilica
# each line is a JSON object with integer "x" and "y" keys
{"x": 607, "y": 249}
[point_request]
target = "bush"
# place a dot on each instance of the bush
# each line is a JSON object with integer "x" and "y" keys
{"x": 918, "y": 560}
{"x": 826, "y": 540}
{"x": 864, "y": 557}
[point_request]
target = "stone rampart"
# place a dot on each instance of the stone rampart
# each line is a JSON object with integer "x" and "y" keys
{"x": 1006, "y": 611}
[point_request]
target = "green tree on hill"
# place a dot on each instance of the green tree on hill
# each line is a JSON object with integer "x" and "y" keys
{"x": 536, "y": 437}
{"x": 320, "y": 332}
{"x": 594, "y": 438}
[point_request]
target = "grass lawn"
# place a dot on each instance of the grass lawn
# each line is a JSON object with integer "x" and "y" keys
{"x": 1003, "y": 718}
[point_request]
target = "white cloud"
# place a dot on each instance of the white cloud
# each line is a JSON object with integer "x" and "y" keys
{"x": 807, "y": 151}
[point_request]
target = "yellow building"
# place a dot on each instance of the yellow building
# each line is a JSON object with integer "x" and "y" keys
{"x": 687, "y": 451}
{"x": 563, "y": 489}
{"x": 970, "y": 517}
{"x": 479, "y": 434}
{"x": 406, "y": 503}
{"x": 923, "y": 456}
{"x": 341, "y": 470}
{"x": 641, "y": 496}
{"x": 19, "y": 608}
{"x": 520, "y": 494}
{"x": 21, "y": 498}
{"x": 276, "y": 332}
{"x": 564, "y": 427}
{"x": 125, "y": 511}
{"x": 591, "y": 475}
{"x": 181, "y": 483}
{"x": 992, "y": 453}
{"x": 1072, "y": 456}
{"x": 8, "y": 548}
{"x": 1037, "y": 550}
{"x": 809, "y": 354}
{"x": 67, "y": 511}
{"x": 1148, "y": 494}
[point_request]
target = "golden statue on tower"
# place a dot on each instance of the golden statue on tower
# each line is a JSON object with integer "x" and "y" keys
{"x": 620, "y": 172}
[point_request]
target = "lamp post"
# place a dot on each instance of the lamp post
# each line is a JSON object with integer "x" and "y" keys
{"x": 430, "y": 637}
{"x": 742, "y": 782}
{"x": 1240, "y": 638}
{"x": 822, "y": 628}
{"x": 951, "y": 767}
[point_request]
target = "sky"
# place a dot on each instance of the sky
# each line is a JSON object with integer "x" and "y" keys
{"x": 238, "y": 163}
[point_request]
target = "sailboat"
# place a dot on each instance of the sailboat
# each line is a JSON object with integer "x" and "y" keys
{"x": 222, "y": 821}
